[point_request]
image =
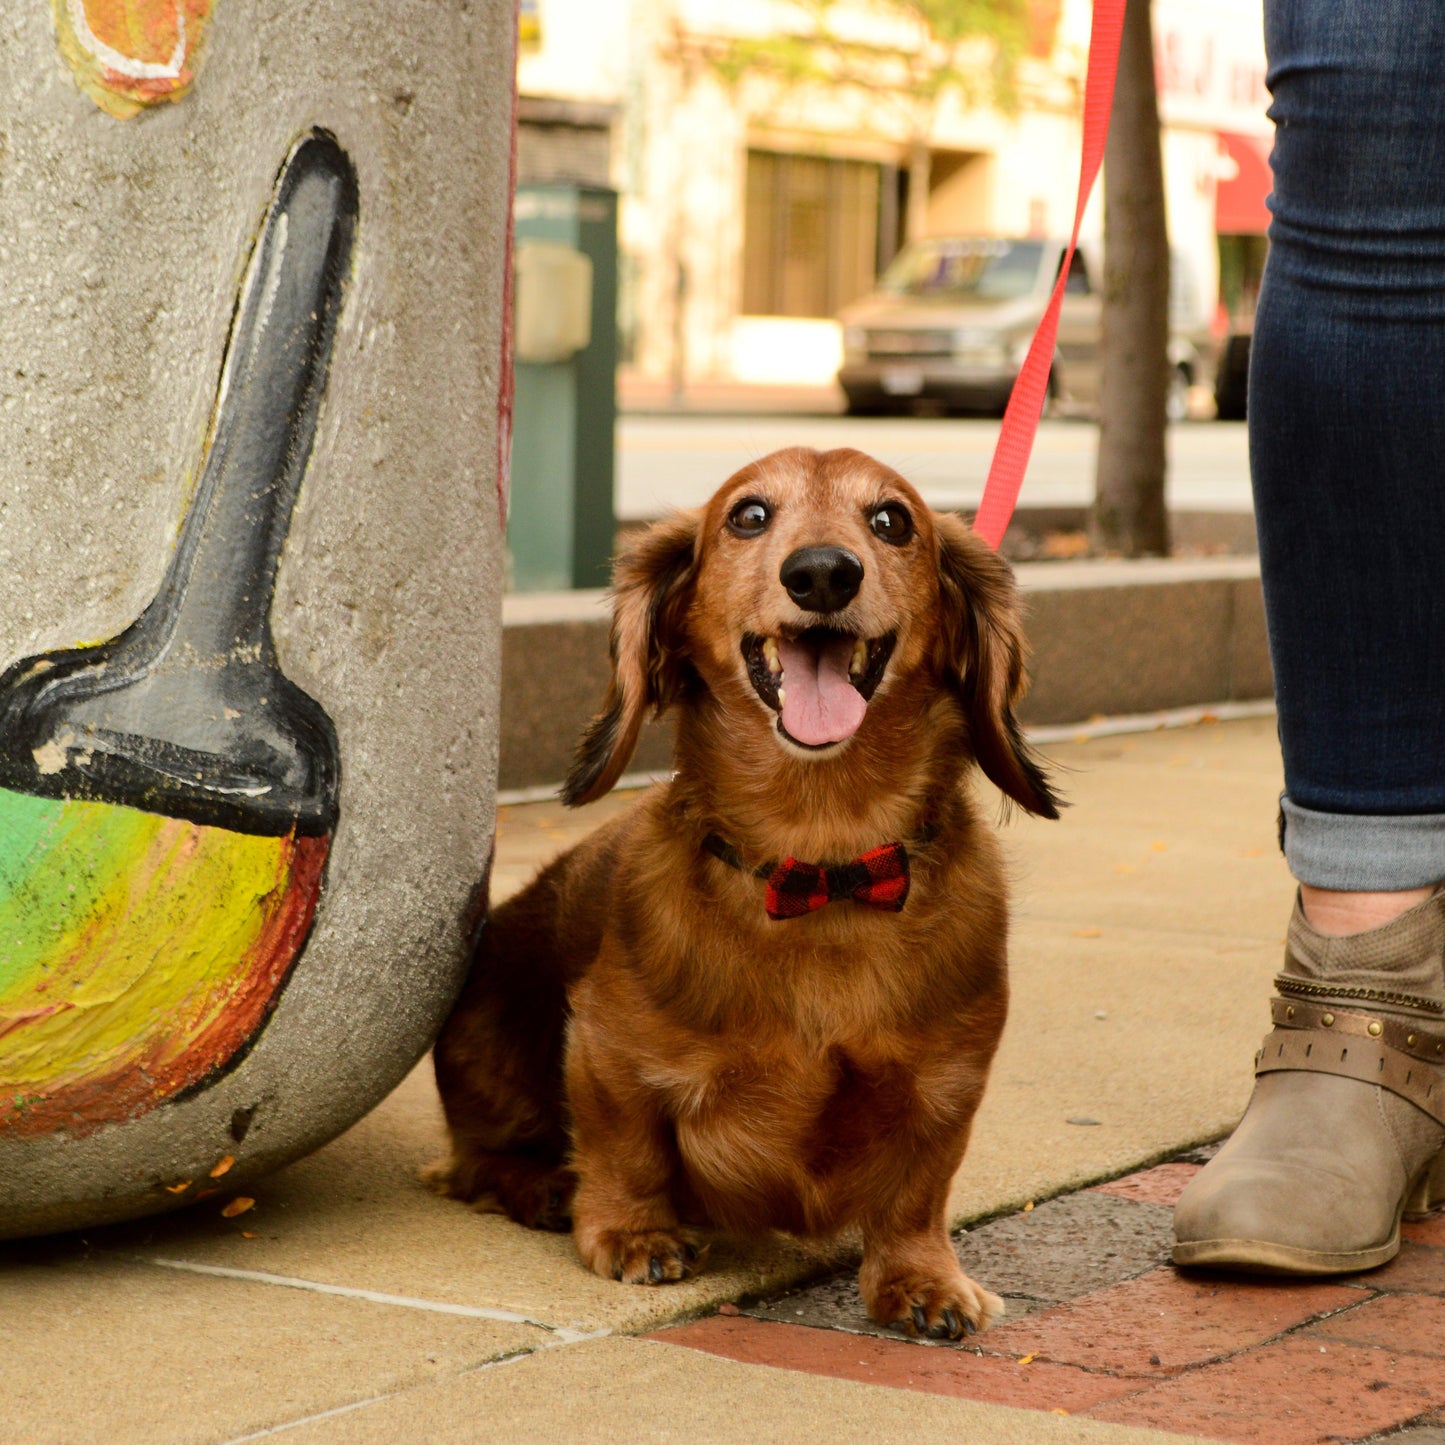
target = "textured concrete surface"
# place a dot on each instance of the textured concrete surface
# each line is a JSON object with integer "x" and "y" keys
{"x": 554, "y": 675}
{"x": 355, "y": 1216}
{"x": 1127, "y": 637}
{"x": 1159, "y": 902}
{"x": 121, "y": 246}
{"x": 167, "y": 1355}
{"x": 617, "y": 1392}
{"x": 1108, "y": 638}
{"x": 1053, "y": 1252}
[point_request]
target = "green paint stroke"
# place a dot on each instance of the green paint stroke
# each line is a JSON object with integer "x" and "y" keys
{"x": 136, "y": 951}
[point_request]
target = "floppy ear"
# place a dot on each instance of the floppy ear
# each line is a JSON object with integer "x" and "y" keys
{"x": 651, "y": 589}
{"x": 983, "y": 653}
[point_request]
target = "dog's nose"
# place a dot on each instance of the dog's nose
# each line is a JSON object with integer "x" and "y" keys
{"x": 822, "y": 579}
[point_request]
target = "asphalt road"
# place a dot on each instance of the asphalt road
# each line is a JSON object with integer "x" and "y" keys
{"x": 679, "y": 461}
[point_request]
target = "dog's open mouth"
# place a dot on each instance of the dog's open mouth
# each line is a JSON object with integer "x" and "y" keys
{"x": 819, "y": 682}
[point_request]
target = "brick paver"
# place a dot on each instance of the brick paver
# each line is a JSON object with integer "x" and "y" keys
{"x": 945, "y": 1371}
{"x": 1296, "y": 1391}
{"x": 1426, "y": 1231}
{"x": 1161, "y": 1185}
{"x": 1417, "y": 1269}
{"x": 1112, "y": 1333}
{"x": 1163, "y": 1320}
{"x": 1409, "y": 1324}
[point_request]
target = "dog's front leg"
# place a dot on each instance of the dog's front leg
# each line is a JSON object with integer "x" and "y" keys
{"x": 910, "y": 1275}
{"x": 624, "y": 1214}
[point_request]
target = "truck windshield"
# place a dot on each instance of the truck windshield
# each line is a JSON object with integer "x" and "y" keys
{"x": 987, "y": 270}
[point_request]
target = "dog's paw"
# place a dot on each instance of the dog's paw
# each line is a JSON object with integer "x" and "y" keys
{"x": 942, "y": 1309}
{"x": 441, "y": 1175}
{"x": 539, "y": 1198}
{"x": 654, "y": 1256}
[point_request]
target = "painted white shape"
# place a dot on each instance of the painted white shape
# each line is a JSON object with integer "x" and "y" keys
{"x": 128, "y": 65}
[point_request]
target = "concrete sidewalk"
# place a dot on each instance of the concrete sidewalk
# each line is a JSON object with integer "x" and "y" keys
{"x": 348, "y": 1304}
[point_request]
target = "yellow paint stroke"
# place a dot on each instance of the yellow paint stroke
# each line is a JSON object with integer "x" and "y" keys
{"x": 128, "y": 54}
{"x": 136, "y": 951}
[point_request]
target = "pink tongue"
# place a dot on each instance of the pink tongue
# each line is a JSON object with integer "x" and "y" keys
{"x": 821, "y": 705}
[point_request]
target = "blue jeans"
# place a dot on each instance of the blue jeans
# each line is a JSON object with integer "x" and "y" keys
{"x": 1347, "y": 436}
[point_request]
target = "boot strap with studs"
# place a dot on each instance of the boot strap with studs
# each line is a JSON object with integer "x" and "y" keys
{"x": 1398, "y": 1056}
{"x": 1307, "y": 988}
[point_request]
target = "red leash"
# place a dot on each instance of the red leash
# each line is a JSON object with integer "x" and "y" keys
{"x": 1026, "y": 404}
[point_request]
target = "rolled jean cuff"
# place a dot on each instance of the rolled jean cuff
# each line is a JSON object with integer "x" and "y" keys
{"x": 1362, "y": 853}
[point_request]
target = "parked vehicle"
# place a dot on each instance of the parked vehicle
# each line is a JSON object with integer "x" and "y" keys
{"x": 952, "y": 318}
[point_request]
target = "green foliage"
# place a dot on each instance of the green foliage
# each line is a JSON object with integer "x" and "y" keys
{"x": 952, "y": 37}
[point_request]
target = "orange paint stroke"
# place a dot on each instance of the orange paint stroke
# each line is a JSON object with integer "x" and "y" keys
{"x": 128, "y": 54}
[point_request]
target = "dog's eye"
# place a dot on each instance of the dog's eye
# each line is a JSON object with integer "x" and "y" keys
{"x": 749, "y": 517}
{"x": 892, "y": 522}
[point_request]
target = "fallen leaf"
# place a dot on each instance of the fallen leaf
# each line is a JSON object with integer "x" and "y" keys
{"x": 1057, "y": 1411}
{"x": 1028, "y": 1359}
{"x": 1088, "y": 933}
{"x": 239, "y": 1205}
{"x": 1028, "y": 1206}
{"x": 222, "y": 1165}
{"x": 249, "y": 1234}
{"x": 1159, "y": 847}
{"x": 178, "y": 1188}
{"x": 728, "y": 1309}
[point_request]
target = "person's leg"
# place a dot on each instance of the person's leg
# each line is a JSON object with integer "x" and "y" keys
{"x": 1347, "y": 449}
{"x": 1347, "y": 437}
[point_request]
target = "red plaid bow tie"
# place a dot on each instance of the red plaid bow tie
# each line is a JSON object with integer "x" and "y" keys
{"x": 878, "y": 879}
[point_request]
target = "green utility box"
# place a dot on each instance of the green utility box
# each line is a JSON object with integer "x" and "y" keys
{"x": 560, "y": 532}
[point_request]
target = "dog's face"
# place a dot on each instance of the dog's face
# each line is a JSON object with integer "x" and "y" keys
{"x": 815, "y": 579}
{"x": 811, "y": 585}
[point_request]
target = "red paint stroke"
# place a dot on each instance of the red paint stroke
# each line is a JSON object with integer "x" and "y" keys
{"x": 139, "y": 1084}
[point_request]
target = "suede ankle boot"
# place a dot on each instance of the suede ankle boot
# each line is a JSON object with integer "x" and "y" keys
{"x": 1343, "y": 1136}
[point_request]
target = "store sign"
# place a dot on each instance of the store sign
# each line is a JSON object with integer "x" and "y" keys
{"x": 1210, "y": 67}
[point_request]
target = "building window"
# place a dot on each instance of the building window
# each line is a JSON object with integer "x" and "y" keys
{"x": 811, "y": 234}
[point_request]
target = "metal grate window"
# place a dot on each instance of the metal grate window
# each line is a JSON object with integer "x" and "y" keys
{"x": 810, "y": 235}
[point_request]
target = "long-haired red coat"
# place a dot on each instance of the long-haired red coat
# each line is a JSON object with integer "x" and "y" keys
{"x": 766, "y": 997}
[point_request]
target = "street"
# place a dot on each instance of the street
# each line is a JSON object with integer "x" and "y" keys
{"x": 679, "y": 461}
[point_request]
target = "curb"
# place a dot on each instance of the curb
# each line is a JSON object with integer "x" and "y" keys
{"x": 1108, "y": 638}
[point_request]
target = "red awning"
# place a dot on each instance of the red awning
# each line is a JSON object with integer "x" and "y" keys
{"x": 1244, "y": 182}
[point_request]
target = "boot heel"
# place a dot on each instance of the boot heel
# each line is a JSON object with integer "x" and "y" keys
{"x": 1429, "y": 1191}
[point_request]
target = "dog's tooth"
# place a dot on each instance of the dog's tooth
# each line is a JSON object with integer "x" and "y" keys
{"x": 770, "y": 654}
{"x": 860, "y": 657}
{"x": 782, "y": 696}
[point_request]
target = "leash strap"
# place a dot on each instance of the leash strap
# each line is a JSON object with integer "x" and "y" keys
{"x": 1026, "y": 403}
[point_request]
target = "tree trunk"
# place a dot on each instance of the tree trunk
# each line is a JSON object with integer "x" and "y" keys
{"x": 1129, "y": 513}
{"x": 920, "y": 177}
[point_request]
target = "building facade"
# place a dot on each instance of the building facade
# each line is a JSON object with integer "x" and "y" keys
{"x": 757, "y": 199}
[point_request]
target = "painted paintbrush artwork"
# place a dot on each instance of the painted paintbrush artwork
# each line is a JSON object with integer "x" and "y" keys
{"x": 167, "y": 797}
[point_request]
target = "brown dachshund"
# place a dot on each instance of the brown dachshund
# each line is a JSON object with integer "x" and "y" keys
{"x": 673, "y": 1029}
